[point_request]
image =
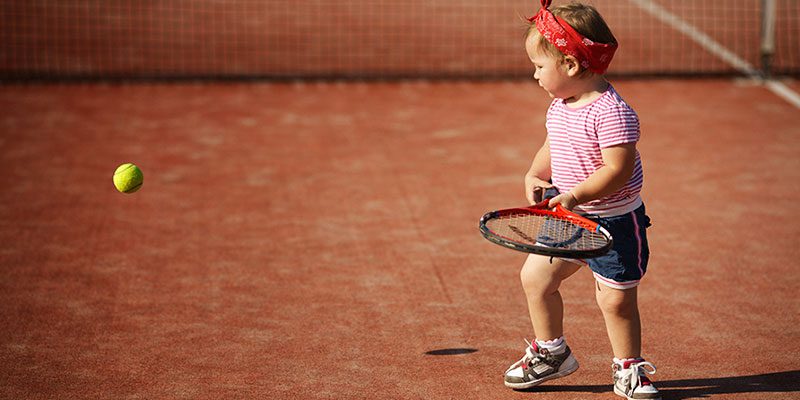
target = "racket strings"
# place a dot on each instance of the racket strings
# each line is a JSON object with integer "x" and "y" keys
{"x": 546, "y": 231}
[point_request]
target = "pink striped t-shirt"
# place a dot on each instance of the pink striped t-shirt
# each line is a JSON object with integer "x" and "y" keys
{"x": 576, "y": 137}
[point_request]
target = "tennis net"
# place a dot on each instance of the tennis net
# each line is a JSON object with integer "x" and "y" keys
{"x": 127, "y": 39}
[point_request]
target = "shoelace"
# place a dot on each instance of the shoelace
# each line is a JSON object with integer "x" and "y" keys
{"x": 638, "y": 371}
{"x": 528, "y": 357}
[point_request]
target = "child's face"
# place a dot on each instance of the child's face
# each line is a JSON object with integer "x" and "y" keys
{"x": 549, "y": 71}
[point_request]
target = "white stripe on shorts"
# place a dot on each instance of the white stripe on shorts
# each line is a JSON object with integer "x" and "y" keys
{"x": 614, "y": 284}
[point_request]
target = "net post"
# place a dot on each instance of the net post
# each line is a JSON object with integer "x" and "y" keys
{"x": 768, "y": 14}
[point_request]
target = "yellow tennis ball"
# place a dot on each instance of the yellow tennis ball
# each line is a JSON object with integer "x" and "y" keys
{"x": 128, "y": 178}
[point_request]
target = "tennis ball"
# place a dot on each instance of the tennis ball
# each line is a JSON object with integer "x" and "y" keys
{"x": 128, "y": 178}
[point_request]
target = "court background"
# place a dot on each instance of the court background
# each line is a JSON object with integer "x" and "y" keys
{"x": 314, "y": 173}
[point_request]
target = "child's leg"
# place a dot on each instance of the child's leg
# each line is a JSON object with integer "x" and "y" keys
{"x": 617, "y": 276}
{"x": 621, "y": 313}
{"x": 553, "y": 359}
{"x": 630, "y": 371}
{"x": 541, "y": 280}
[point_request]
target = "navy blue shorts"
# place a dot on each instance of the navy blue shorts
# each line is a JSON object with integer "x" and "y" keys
{"x": 626, "y": 263}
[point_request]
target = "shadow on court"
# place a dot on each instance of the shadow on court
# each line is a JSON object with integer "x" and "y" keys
{"x": 450, "y": 352}
{"x": 778, "y": 382}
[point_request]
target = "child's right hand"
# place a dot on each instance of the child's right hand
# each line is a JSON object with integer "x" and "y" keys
{"x": 534, "y": 188}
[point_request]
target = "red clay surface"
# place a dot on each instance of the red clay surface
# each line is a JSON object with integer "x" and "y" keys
{"x": 793, "y": 84}
{"x": 318, "y": 241}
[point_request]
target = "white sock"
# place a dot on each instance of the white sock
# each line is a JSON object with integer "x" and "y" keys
{"x": 555, "y": 346}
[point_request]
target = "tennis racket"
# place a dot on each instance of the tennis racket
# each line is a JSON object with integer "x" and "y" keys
{"x": 541, "y": 230}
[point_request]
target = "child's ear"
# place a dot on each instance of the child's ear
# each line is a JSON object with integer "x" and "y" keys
{"x": 572, "y": 66}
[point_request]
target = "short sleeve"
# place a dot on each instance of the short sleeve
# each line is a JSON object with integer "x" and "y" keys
{"x": 617, "y": 125}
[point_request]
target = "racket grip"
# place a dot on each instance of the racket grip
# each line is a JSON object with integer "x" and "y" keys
{"x": 543, "y": 204}
{"x": 538, "y": 194}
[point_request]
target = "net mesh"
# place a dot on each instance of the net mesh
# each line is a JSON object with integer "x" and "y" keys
{"x": 370, "y": 38}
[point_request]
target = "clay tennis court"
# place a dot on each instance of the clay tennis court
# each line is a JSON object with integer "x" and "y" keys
{"x": 318, "y": 239}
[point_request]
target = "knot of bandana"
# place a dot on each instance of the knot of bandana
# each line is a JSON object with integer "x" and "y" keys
{"x": 594, "y": 56}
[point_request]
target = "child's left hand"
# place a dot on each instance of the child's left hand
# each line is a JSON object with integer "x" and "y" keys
{"x": 567, "y": 200}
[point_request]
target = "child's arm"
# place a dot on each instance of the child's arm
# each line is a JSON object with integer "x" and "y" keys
{"x": 539, "y": 173}
{"x": 618, "y": 161}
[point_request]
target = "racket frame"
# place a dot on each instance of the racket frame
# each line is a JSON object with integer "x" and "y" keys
{"x": 558, "y": 212}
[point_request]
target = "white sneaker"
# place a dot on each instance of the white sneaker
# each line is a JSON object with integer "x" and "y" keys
{"x": 631, "y": 381}
{"x": 539, "y": 365}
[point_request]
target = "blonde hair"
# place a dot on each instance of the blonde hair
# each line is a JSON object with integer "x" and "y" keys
{"x": 585, "y": 19}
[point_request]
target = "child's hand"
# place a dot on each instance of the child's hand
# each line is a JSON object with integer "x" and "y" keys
{"x": 567, "y": 200}
{"x": 534, "y": 188}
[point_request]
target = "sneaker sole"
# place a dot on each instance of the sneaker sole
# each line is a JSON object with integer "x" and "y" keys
{"x": 560, "y": 374}
{"x": 621, "y": 393}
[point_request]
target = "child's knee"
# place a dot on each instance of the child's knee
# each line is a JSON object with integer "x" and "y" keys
{"x": 538, "y": 279}
{"x": 616, "y": 301}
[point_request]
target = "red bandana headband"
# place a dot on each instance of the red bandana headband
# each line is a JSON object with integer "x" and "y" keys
{"x": 591, "y": 55}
